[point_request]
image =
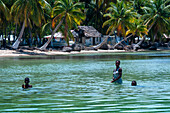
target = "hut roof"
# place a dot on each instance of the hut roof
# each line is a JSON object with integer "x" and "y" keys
{"x": 90, "y": 31}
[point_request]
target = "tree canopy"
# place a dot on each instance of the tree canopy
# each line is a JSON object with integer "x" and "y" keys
{"x": 151, "y": 17}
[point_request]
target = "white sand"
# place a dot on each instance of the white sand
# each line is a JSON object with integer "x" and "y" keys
{"x": 14, "y": 53}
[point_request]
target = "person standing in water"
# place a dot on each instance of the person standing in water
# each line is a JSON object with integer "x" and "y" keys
{"x": 117, "y": 73}
{"x": 27, "y": 80}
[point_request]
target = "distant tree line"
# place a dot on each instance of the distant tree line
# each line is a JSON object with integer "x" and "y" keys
{"x": 31, "y": 20}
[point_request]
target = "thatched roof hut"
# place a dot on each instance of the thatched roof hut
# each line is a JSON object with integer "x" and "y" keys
{"x": 89, "y": 31}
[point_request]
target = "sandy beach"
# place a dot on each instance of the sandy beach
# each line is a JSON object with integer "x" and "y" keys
{"x": 16, "y": 53}
{"x": 25, "y": 52}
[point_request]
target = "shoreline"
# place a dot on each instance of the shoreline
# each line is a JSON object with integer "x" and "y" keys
{"x": 25, "y": 52}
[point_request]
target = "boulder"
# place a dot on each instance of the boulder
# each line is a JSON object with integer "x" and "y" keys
{"x": 77, "y": 47}
{"x": 119, "y": 47}
{"x": 154, "y": 46}
{"x": 104, "y": 46}
{"x": 67, "y": 49}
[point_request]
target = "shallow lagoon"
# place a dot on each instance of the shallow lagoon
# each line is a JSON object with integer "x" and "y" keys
{"x": 81, "y": 83}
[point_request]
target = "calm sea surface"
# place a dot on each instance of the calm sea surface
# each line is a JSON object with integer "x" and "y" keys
{"x": 81, "y": 83}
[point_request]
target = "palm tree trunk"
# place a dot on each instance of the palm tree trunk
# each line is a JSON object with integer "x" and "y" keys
{"x": 104, "y": 41}
{"x": 39, "y": 40}
{"x": 155, "y": 35}
{"x": 121, "y": 41}
{"x": 17, "y": 42}
{"x": 9, "y": 40}
{"x": 15, "y": 32}
{"x": 30, "y": 37}
{"x": 49, "y": 40}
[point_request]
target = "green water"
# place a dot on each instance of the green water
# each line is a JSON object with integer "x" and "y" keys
{"x": 81, "y": 83}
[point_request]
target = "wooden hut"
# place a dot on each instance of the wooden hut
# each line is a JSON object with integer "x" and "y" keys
{"x": 88, "y": 35}
{"x": 85, "y": 35}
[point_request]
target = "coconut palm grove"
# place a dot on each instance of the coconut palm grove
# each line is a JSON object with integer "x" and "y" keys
{"x": 26, "y": 22}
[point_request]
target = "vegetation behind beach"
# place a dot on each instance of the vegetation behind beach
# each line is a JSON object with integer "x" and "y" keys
{"x": 33, "y": 19}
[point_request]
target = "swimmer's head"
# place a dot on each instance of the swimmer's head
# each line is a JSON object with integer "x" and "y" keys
{"x": 117, "y": 62}
{"x": 27, "y": 80}
{"x": 134, "y": 83}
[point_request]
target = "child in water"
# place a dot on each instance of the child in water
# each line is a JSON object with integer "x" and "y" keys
{"x": 117, "y": 73}
{"x": 27, "y": 80}
{"x": 134, "y": 83}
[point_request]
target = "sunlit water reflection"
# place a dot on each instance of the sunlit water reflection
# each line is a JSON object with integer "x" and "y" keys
{"x": 81, "y": 83}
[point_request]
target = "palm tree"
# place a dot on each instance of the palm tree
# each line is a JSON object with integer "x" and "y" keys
{"x": 139, "y": 4}
{"x": 157, "y": 16}
{"x": 26, "y": 11}
{"x": 4, "y": 15}
{"x": 4, "y": 12}
{"x": 4, "y": 19}
{"x": 67, "y": 13}
{"x": 94, "y": 14}
{"x": 137, "y": 29}
{"x": 119, "y": 19}
{"x": 94, "y": 10}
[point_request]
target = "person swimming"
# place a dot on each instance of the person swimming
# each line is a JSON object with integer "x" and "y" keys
{"x": 27, "y": 80}
{"x": 117, "y": 73}
{"x": 134, "y": 83}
